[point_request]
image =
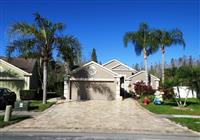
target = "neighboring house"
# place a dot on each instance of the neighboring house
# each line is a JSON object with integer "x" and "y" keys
{"x": 109, "y": 81}
{"x": 18, "y": 74}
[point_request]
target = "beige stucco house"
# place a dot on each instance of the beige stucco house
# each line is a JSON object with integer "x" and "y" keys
{"x": 18, "y": 74}
{"x": 108, "y": 81}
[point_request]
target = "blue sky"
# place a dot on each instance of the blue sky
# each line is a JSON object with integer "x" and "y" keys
{"x": 101, "y": 24}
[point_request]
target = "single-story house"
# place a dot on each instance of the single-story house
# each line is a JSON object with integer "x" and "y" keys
{"x": 18, "y": 74}
{"x": 108, "y": 81}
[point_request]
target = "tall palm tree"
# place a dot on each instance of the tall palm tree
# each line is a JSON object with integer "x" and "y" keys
{"x": 35, "y": 40}
{"x": 70, "y": 51}
{"x": 167, "y": 39}
{"x": 143, "y": 41}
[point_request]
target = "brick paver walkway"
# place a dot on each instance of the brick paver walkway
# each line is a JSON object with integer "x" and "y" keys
{"x": 108, "y": 116}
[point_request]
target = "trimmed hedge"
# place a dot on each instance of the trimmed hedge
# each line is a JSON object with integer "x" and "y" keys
{"x": 28, "y": 94}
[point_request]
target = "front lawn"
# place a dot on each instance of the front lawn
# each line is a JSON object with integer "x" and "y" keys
{"x": 14, "y": 119}
{"x": 191, "y": 123}
{"x": 170, "y": 107}
{"x": 37, "y": 106}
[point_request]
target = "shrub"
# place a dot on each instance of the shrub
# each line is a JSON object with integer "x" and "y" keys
{"x": 28, "y": 94}
{"x": 141, "y": 89}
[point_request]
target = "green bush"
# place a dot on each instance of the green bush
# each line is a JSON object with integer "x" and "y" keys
{"x": 28, "y": 94}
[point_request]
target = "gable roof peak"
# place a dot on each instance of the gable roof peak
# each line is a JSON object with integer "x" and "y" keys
{"x": 120, "y": 63}
{"x": 15, "y": 67}
{"x": 26, "y": 65}
{"x": 92, "y": 62}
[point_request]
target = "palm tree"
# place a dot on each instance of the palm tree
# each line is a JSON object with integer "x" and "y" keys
{"x": 70, "y": 51}
{"x": 35, "y": 40}
{"x": 143, "y": 41}
{"x": 167, "y": 39}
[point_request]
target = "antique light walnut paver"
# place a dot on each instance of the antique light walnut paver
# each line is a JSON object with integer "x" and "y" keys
{"x": 119, "y": 116}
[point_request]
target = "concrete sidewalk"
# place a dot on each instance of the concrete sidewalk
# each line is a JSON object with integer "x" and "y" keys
{"x": 178, "y": 116}
{"x": 28, "y": 113}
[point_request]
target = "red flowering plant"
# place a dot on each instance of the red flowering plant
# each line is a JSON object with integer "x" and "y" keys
{"x": 140, "y": 89}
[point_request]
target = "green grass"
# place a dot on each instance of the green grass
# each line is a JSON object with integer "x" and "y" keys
{"x": 37, "y": 106}
{"x": 14, "y": 119}
{"x": 191, "y": 123}
{"x": 170, "y": 107}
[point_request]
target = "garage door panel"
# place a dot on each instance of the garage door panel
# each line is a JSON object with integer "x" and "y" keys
{"x": 93, "y": 90}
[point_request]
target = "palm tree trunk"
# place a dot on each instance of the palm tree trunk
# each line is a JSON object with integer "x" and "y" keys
{"x": 163, "y": 64}
{"x": 66, "y": 81}
{"x": 146, "y": 66}
{"x": 44, "y": 82}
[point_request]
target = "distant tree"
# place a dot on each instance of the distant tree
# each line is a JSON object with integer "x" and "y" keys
{"x": 180, "y": 61}
{"x": 173, "y": 63}
{"x": 190, "y": 63}
{"x": 184, "y": 60}
{"x": 94, "y": 55}
{"x": 136, "y": 67}
{"x": 151, "y": 68}
{"x": 198, "y": 63}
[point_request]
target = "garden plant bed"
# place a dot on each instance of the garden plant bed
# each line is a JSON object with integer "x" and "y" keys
{"x": 14, "y": 119}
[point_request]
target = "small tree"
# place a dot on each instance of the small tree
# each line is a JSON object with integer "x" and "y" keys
{"x": 94, "y": 55}
{"x": 185, "y": 75}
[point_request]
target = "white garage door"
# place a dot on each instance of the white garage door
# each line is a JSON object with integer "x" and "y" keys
{"x": 87, "y": 90}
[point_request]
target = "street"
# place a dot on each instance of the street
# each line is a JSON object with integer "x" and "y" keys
{"x": 91, "y": 136}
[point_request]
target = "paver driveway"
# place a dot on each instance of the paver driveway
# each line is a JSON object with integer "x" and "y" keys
{"x": 108, "y": 116}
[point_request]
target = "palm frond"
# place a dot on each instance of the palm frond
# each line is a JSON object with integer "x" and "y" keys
{"x": 177, "y": 37}
{"x": 22, "y": 29}
{"x": 127, "y": 38}
{"x": 57, "y": 27}
{"x": 143, "y": 27}
{"x": 24, "y": 47}
{"x": 69, "y": 48}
